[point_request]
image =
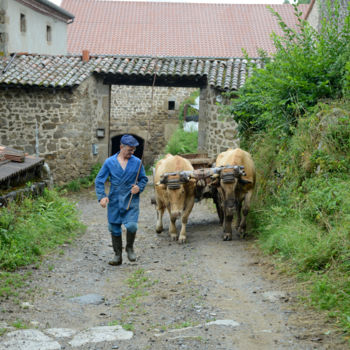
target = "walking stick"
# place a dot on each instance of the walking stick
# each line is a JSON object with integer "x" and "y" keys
{"x": 138, "y": 171}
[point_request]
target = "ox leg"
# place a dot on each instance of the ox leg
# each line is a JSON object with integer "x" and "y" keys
{"x": 172, "y": 227}
{"x": 160, "y": 213}
{"x": 238, "y": 216}
{"x": 246, "y": 207}
{"x": 184, "y": 219}
{"x": 228, "y": 227}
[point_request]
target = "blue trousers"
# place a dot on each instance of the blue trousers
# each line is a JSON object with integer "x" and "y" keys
{"x": 116, "y": 229}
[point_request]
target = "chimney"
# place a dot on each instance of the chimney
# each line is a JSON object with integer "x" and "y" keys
{"x": 85, "y": 56}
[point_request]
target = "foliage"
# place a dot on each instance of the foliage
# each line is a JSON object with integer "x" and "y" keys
{"x": 182, "y": 142}
{"x": 302, "y": 204}
{"x": 84, "y": 182}
{"x": 190, "y": 101}
{"x": 306, "y": 67}
{"x": 34, "y": 227}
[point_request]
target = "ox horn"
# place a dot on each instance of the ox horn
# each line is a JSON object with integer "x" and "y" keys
{"x": 239, "y": 170}
{"x": 185, "y": 176}
{"x": 163, "y": 179}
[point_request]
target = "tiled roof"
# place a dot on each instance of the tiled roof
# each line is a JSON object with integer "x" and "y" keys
{"x": 70, "y": 71}
{"x": 173, "y": 29}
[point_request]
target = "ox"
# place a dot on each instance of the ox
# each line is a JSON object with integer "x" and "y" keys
{"x": 174, "y": 190}
{"x": 237, "y": 181}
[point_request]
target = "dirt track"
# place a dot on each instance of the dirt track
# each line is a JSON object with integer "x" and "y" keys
{"x": 205, "y": 294}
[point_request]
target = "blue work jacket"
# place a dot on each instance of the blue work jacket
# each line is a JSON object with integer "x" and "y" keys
{"x": 119, "y": 194}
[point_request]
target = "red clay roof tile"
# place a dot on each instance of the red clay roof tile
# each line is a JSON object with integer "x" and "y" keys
{"x": 173, "y": 29}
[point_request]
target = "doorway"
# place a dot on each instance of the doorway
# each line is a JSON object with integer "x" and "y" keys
{"x": 116, "y": 145}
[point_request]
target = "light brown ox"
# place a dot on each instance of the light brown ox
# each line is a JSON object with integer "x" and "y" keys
{"x": 175, "y": 192}
{"x": 237, "y": 181}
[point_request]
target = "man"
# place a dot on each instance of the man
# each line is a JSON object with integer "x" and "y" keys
{"x": 122, "y": 169}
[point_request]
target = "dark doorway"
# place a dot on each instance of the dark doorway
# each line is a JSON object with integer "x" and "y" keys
{"x": 116, "y": 145}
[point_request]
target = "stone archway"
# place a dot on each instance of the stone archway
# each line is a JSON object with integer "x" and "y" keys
{"x": 115, "y": 141}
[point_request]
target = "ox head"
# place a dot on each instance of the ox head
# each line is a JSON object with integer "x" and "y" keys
{"x": 178, "y": 186}
{"x": 230, "y": 182}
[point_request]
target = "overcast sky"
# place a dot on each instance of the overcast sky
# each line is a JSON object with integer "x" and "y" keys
{"x": 58, "y": 2}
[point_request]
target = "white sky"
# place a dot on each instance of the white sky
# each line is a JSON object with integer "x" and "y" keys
{"x": 58, "y": 2}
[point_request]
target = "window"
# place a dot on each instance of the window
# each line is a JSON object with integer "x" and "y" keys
{"x": 171, "y": 105}
{"x": 48, "y": 33}
{"x": 23, "y": 26}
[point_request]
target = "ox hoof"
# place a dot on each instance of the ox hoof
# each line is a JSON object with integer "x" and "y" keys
{"x": 173, "y": 237}
{"x": 227, "y": 237}
{"x": 159, "y": 229}
{"x": 182, "y": 239}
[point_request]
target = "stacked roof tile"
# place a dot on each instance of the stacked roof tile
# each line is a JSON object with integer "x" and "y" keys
{"x": 70, "y": 71}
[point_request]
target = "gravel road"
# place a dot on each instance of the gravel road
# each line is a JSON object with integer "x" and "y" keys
{"x": 205, "y": 294}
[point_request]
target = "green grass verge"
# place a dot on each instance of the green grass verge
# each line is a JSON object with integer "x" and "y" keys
{"x": 31, "y": 229}
{"x": 301, "y": 211}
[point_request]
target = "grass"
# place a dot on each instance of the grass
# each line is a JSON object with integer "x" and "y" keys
{"x": 19, "y": 324}
{"x": 301, "y": 211}
{"x": 182, "y": 142}
{"x": 35, "y": 227}
{"x": 31, "y": 229}
{"x": 11, "y": 282}
{"x": 138, "y": 284}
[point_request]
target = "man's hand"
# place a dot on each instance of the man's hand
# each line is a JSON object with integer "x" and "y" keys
{"x": 135, "y": 189}
{"x": 104, "y": 201}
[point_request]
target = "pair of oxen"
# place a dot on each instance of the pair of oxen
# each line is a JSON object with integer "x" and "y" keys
{"x": 230, "y": 182}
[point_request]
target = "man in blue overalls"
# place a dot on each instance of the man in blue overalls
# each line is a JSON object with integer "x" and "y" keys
{"x": 122, "y": 168}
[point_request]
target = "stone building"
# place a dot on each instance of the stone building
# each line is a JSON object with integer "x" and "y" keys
{"x": 60, "y": 107}
{"x": 33, "y": 26}
{"x": 175, "y": 30}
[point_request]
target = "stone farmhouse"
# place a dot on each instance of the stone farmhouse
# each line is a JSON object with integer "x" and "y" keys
{"x": 23, "y": 20}
{"x": 130, "y": 76}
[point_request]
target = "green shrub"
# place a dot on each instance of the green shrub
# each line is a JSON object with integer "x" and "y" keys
{"x": 307, "y": 66}
{"x": 301, "y": 209}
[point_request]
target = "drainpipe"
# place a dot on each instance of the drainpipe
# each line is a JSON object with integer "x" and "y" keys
{"x": 36, "y": 138}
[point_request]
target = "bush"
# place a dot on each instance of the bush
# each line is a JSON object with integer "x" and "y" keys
{"x": 307, "y": 66}
{"x": 301, "y": 210}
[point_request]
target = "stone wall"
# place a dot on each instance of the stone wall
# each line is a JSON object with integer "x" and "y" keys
{"x": 132, "y": 110}
{"x": 60, "y": 126}
{"x": 215, "y": 135}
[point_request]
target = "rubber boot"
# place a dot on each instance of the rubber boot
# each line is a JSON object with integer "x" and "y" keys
{"x": 130, "y": 238}
{"x": 118, "y": 248}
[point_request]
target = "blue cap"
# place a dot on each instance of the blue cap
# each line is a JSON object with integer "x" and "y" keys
{"x": 129, "y": 140}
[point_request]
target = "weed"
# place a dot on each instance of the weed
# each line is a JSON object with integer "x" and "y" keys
{"x": 2, "y": 331}
{"x": 19, "y": 324}
{"x": 84, "y": 182}
{"x": 11, "y": 282}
